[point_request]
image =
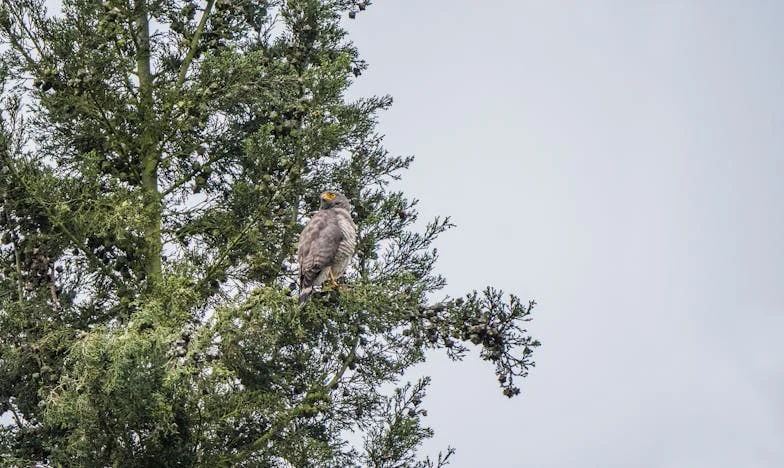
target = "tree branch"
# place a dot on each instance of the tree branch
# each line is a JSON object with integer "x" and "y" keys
{"x": 349, "y": 359}
{"x": 186, "y": 63}
{"x": 211, "y": 270}
{"x": 26, "y": 31}
{"x": 18, "y": 271}
{"x": 16, "y": 417}
{"x": 187, "y": 178}
{"x": 52, "y": 287}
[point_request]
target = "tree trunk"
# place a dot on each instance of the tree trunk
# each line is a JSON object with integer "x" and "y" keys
{"x": 149, "y": 148}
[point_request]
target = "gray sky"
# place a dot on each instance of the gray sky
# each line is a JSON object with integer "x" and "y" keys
{"x": 629, "y": 155}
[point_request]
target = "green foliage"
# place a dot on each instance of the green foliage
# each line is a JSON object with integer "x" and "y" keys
{"x": 158, "y": 159}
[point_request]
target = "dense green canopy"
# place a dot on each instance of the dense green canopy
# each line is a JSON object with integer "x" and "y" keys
{"x": 158, "y": 159}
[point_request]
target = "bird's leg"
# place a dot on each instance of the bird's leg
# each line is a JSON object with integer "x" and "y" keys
{"x": 330, "y": 283}
{"x": 332, "y": 280}
{"x": 333, "y": 283}
{"x": 340, "y": 287}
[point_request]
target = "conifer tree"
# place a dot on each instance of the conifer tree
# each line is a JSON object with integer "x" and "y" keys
{"x": 158, "y": 159}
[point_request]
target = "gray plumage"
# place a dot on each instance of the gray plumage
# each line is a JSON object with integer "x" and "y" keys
{"x": 326, "y": 245}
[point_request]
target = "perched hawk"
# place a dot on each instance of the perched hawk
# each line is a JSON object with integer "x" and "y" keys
{"x": 326, "y": 244}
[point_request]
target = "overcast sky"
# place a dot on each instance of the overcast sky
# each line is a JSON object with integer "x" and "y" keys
{"x": 621, "y": 163}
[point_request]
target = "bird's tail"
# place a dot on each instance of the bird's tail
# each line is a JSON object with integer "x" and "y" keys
{"x": 304, "y": 295}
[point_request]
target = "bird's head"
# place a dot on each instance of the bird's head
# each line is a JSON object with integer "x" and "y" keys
{"x": 333, "y": 200}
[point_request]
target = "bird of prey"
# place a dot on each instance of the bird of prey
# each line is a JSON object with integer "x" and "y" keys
{"x": 326, "y": 244}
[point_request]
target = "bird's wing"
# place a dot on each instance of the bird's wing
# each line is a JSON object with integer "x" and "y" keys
{"x": 318, "y": 245}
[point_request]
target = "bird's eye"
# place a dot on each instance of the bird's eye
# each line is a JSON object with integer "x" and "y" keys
{"x": 328, "y": 196}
